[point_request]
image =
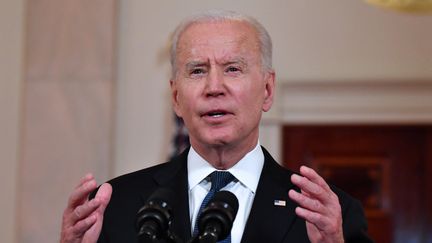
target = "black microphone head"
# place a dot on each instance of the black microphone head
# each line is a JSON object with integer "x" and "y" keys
{"x": 219, "y": 214}
{"x": 162, "y": 195}
{"x": 154, "y": 218}
{"x": 228, "y": 199}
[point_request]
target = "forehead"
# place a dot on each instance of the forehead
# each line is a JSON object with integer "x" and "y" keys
{"x": 220, "y": 39}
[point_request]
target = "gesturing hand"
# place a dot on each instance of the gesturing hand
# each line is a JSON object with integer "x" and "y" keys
{"x": 318, "y": 205}
{"x": 82, "y": 219}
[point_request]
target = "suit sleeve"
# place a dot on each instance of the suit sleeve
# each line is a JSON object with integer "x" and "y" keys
{"x": 102, "y": 237}
{"x": 354, "y": 222}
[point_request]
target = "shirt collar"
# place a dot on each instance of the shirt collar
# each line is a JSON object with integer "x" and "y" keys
{"x": 247, "y": 170}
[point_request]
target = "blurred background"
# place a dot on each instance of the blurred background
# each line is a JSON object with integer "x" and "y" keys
{"x": 84, "y": 88}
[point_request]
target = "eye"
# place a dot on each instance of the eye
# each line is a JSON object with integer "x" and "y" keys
{"x": 197, "y": 71}
{"x": 232, "y": 69}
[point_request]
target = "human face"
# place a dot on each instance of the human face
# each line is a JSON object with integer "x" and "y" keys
{"x": 220, "y": 88}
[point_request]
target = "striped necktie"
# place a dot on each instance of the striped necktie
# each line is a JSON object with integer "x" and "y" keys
{"x": 219, "y": 179}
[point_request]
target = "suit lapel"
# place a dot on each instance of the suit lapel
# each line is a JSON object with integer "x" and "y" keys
{"x": 175, "y": 178}
{"x": 270, "y": 220}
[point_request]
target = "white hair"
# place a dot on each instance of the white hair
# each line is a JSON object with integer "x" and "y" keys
{"x": 265, "y": 42}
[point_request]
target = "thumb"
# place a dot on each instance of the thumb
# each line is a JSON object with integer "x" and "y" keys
{"x": 104, "y": 194}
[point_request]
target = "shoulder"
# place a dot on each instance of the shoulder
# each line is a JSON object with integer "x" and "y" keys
{"x": 143, "y": 176}
{"x": 130, "y": 192}
{"x": 153, "y": 175}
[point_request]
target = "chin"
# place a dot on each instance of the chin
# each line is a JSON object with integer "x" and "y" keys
{"x": 216, "y": 137}
{"x": 218, "y": 140}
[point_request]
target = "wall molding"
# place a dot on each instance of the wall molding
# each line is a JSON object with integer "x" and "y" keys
{"x": 353, "y": 102}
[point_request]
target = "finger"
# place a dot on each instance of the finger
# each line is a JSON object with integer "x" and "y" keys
{"x": 307, "y": 202}
{"x": 87, "y": 177}
{"x": 104, "y": 193}
{"x": 104, "y": 196}
{"x": 312, "y": 189}
{"x": 79, "y": 195}
{"x": 83, "y": 225}
{"x": 313, "y": 176}
{"x": 85, "y": 210}
{"x": 329, "y": 197}
{"x": 314, "y": 218}
{"x": 93, "y": 233}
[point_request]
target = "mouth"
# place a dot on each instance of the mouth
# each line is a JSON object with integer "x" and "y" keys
{"x": 215, "y": 113}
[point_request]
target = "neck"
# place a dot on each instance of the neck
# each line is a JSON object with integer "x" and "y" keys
{"x": 223, "y": 157}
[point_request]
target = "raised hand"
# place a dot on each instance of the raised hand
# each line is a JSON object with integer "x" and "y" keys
{"x": 82, "y": 218}
{"x": 318, "y": 205}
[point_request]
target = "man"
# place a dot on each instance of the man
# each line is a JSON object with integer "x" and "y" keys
{"x": 221, "y": 83}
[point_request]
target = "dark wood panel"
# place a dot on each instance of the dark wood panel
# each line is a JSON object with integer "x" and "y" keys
{"x": 428, "y": 188}
{"x": 388, "y": 168}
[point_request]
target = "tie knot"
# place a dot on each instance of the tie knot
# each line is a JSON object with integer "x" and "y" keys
{"x": 219, "y": 179}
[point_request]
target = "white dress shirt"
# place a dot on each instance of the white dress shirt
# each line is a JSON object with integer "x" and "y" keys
{"x": 247, "y": 172}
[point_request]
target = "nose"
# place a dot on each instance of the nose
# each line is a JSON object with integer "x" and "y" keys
{"x": 215, "y": 84}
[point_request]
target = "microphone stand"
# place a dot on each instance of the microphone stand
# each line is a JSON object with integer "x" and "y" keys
{"x": 168, "y": 238}
{"x": 207, "y": 237}
{"x": 173, "y": 238}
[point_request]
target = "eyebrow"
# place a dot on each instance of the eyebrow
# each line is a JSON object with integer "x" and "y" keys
{"x": 237, "y": 60}
{"x": 194, "y": 64}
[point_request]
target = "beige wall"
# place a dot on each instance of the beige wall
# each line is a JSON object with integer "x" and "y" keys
{"x": 314, "y": 41}
{"x": 11, "y": 63}
{"x": 67, "y": 108}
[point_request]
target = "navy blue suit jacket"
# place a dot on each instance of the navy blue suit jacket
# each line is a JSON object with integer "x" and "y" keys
{"x": 266, "y": 222}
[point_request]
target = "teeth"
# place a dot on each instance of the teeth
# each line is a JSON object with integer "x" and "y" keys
{"x": 216, "y": 114}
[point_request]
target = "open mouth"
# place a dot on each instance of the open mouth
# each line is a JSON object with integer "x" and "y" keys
{"x": 216, "y": 113}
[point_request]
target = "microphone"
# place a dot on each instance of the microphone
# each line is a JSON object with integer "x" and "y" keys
{"x": 154, "y": 218}
{"x": 216, "y": 219}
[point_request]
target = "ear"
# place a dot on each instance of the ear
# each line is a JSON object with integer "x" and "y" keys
{"x": 269, "y": 79}
{"x": 174, "y": 97}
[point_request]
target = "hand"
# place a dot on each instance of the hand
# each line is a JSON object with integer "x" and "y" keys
{"x": 318, "y": 205}
{"x": 82, "y": 219}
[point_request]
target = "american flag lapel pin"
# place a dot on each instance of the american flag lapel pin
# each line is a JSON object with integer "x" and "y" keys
{"x": 280, "y": 203}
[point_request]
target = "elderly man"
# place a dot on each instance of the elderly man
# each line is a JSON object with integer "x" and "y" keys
{"x": 222, "y": 81}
